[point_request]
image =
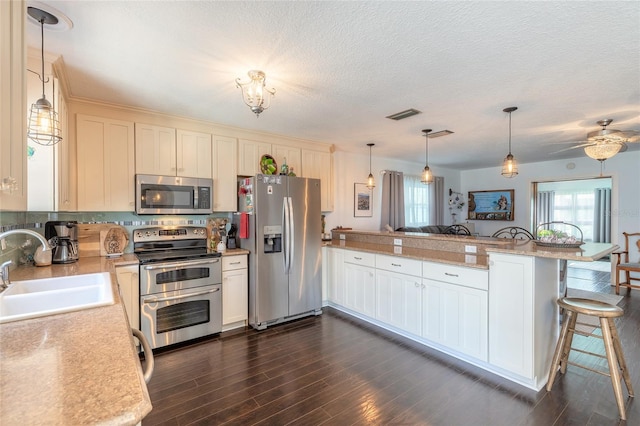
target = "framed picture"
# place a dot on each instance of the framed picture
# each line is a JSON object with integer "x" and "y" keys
{"x": 362, "y": 200}
{"x": 491, "y": 205}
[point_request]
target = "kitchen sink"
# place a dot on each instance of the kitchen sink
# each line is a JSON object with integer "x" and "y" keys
{"x": 48, "y": 296}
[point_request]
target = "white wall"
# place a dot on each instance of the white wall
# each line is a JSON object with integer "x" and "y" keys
{"x": 350, "y": 168}
{"x": 624, "y": 170}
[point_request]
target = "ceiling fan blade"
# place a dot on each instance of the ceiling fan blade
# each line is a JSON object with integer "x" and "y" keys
{"x": 582, "y": 145}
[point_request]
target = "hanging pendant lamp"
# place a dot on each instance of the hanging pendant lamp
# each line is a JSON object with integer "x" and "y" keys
{"x": 43, "y": 127}
{"x": 509, "y": 165}
{"x": 371, "y": 183}
{"x": 427, "y": 176}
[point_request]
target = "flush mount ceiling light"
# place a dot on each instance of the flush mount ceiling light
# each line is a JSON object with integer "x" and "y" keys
{"x": 254, "y": 92}
{"x": 427, "y": 175}
{"x": 509, "y": 166}
{"x": 43, "y": 127}
{"x": 371, "y": 183}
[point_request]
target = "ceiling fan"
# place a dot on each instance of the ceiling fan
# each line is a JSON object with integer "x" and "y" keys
{"x": 605, "y": 143}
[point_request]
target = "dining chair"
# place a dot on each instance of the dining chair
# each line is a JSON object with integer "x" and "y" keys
{"x": 514, "y": 232}
{"x": 628, "y": 262}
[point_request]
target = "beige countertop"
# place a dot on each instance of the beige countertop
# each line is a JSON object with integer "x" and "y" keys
{"x": 451, "y": 248}
{"x": 453, "y": 258}
{"x": 73, "y": 368}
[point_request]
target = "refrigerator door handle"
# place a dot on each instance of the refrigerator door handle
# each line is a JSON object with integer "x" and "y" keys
{"x": 285, "y": 237}
{"x": 291, "y": 248}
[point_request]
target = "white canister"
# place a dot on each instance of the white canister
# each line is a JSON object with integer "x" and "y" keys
{"x": 221, "y": 247}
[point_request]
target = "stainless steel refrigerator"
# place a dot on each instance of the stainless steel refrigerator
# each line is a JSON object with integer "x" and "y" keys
{"x": 280, "y": 223}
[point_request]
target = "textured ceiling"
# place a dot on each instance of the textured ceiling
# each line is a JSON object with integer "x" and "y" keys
{"x": 340, "y": 67}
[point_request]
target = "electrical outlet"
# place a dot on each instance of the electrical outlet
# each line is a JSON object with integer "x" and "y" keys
{"x": 397, "y": 242}
{"x": 3, "y": 244}
{"x": 470, "y": 258}
{"x": 470, "y": 249}
{"x": 343, "y": 237}
{"x": 397, "y": 250}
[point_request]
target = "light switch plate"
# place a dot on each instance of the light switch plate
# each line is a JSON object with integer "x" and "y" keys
{"x": 343, "y": 237}
{"x": 470, "y": 249}
{"x": 397, "y": 242}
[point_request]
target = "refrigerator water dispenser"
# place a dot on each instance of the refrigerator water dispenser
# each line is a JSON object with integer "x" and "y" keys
{"x": 273, "y": 239}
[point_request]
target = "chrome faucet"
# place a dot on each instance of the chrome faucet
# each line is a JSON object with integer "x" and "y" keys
{"x": 42, "y": 256}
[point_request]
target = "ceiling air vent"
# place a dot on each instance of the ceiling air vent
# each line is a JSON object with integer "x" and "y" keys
{"x": 404, "y": 114}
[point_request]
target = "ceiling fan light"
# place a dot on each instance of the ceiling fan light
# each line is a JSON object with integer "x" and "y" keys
{"x": 509, "y": 166}
{"x": 602, "y": 151}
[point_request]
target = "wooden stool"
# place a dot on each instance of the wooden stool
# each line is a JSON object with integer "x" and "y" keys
{"x": 606, "y": 313}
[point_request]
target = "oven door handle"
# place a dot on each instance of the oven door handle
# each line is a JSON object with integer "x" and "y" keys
{"x": 182, "y": 296}
{"x": 181, "y": 264}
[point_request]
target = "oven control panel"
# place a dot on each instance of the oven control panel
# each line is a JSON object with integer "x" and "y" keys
{"x": 170, "y": 233}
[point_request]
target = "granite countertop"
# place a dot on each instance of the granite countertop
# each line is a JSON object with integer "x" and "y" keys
{"x": 460, "y": 259}
{"x": 588, "y": 252}
{"x": 73, "y": 368}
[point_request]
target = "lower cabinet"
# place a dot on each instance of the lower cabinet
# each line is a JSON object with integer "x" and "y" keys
{"x": 335, "y": 276}
{"x": 235, "y": 292}
{"x": 359, "y": 283}
{"x": 129, "y": 284}
{"x": 455, "y": 316}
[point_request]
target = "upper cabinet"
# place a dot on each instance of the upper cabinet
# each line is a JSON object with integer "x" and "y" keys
{"x": 106, "y": 169}
{"x": 225, "y": 184}
{"x": 249, "y": 154}
{"x": 291, "y": 156}
{"x": 193, "y": 154}
{"x": 155, "y": 150}
{"x": 319, "y": 165}
{"x": 13, "y": 120}
{"x": 167, "y": 152}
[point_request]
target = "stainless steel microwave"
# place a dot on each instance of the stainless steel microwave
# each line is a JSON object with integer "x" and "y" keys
{"x": 173, "y": 195}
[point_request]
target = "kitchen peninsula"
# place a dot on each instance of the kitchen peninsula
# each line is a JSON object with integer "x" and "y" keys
{"x": 487, "y": 301}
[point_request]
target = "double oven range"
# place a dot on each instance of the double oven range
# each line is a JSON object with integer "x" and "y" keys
{"x": 180, "y": 284}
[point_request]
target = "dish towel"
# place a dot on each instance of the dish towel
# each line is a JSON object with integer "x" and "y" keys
{"x": 244, "y": 225}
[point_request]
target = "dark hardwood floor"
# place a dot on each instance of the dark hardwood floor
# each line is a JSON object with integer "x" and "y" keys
{"x": 337, "y": 370}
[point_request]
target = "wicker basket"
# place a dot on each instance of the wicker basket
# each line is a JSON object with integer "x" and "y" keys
{"x": 558, "y": 245}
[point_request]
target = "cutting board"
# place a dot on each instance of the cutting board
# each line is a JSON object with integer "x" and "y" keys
{"x": 113, "y": 241}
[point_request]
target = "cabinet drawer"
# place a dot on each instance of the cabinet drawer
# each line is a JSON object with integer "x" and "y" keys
{"x": 229, "y": 263}
{"x": 468, "y": 277}
{"x": 401, "y": 265}
{"x": 360, "y": 258}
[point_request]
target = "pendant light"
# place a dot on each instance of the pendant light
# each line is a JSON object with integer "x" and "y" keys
{"x": 43, "y": 127}
{"x": 427, "y": 176}
{"x": 371, "y": 183}
{"x": 509, "y": 165}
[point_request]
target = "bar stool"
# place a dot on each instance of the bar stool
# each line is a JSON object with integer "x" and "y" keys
{"x": 606, "y": 313}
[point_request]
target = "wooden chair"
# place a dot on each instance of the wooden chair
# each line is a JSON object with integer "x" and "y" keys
{"x": 628, "y": 262}
{"x": 457, "y": 230}
{"x": 514, "y": 232}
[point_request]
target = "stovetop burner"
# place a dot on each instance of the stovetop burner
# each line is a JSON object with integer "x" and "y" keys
{"x": 172, "y": 243}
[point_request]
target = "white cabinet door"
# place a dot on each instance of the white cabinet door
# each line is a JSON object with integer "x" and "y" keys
{"x": 65, "y": 194}
{"x": 128, "y": 282}
{"x": 292, "y": 155}
{"x": 13, "y": 128}
{"x": 155, "y": 150}
{"x": 360, "y": 289}
{"x": 235, "y": 296}
{"x": 193, "y": 154}
{"x": 249, "y": 154}
{"x": 398, "y": 300}
{"x": 105, "y": 164}
{"x": 319, "y": 165}
{"x": 225, "y": 182}
{"x": 455, "y": 316}
{"x": 511, "y": 315}
{"x": 335, "y": 280}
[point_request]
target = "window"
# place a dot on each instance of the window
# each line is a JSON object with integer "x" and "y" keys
{"x": 416, "y": 201}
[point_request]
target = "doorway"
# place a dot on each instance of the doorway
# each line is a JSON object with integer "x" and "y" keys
{"x": 585, "y": 203}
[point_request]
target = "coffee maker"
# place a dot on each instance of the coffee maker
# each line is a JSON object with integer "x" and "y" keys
{"x": 63, "y": 239}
